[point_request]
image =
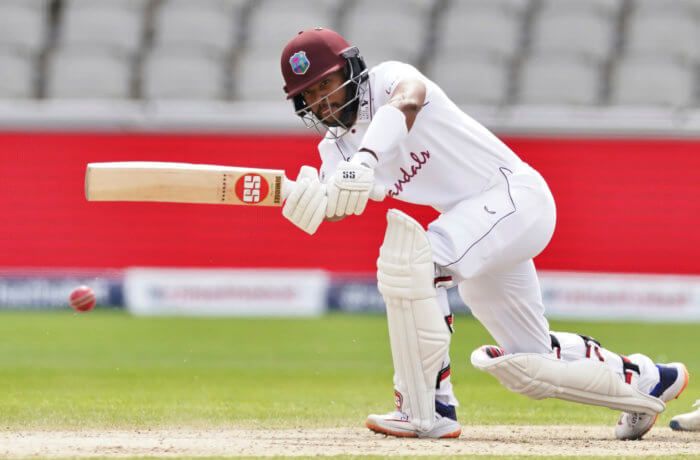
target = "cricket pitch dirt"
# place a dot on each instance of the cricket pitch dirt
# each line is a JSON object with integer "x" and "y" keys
{"x": 475, "y": 440}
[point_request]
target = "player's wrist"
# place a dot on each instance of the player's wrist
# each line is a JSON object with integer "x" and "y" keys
{"x": 365, "y": 157}
{"x": 385, "y": 132}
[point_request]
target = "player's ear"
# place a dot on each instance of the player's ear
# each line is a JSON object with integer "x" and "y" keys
{"x": 346, "y": 71}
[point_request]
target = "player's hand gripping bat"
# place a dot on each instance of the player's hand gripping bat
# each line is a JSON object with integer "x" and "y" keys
{"x": 190, "y": 183}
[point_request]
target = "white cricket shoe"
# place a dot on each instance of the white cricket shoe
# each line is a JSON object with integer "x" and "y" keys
{"x": 687, "y": 422}
{"x": 397, "y": 424}
{"x": 673, "y": 380}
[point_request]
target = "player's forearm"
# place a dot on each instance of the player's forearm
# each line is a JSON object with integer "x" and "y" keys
{"x": 385, "y": 132}
{"x": 391, "y": 122}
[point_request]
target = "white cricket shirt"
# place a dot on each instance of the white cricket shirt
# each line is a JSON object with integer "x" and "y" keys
{"x": 446, "y": 157}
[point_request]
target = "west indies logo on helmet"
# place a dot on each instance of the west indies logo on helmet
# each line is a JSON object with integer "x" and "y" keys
{"x": 300, "y": 63}
{"x": 312, "y": 56}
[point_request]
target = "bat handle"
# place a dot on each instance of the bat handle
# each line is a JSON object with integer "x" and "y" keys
{"x": 378, "y": 193}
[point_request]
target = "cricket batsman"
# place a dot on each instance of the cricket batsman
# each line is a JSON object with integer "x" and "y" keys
{"x": 390, "y": 126}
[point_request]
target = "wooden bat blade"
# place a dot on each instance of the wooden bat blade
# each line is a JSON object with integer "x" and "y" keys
{"x": 184, "y": 183}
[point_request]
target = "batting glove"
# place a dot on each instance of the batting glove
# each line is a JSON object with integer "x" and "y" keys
{"x": 306, "y": 205}
{"x": 349, "y": 189}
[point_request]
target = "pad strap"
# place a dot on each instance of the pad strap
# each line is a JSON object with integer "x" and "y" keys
{"x": 556, "y": 346}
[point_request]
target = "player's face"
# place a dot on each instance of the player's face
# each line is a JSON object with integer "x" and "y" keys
{"x": 326, "y": 97}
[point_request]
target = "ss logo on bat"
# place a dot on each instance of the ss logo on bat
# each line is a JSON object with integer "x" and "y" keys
{"x": 251, "y": 189}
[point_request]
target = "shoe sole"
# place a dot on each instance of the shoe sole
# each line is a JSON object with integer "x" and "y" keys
{"x": 647, "y": 430}
{"x": 401, "y": 434}
{"x": 685, "y": 384}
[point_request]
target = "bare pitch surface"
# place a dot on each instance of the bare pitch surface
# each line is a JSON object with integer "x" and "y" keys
{"x": 107, "y": 384}
{"x": 498, "y": 440}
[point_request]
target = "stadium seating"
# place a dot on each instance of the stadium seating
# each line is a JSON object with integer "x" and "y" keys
{"x": 225, "y": 6}
{"x": 486, "y": 27}
{"x": 87, "y": 73}
{"x": 208, "y": 24}
{"x": 651, "y": 6}
{"x": 258, "y": 78}
{"x": 674, "y": 32}
{"x": 272, "y": 23}
{"x": 559, "y": 80}
{"x": 511, "y": 7}
{"x": 586, "y": 33}
{"x": 601, "y": 7}
{"x": 117, "y": 24}
{"x": 653, "y": 82}
{"x": 492, "y": 52}
{"x": 183, "y": 73}
{"x": 22, "y": 25}
{"x": 389, "y": 30}
{"x": 16, "y": 76}
{"x": 472, "y": 78}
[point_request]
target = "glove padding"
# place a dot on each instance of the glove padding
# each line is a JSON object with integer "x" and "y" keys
{"x": 349, "y": 190}
{"x": 306, "y": 205}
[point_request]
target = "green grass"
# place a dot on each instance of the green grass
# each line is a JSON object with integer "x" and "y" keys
{"x": 108, "y": 369}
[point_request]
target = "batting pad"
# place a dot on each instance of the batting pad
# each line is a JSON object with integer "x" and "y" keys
{"x": 417, "y": 331}
{"x": 584, "y": 381}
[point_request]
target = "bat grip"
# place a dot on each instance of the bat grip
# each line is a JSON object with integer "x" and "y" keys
{"x": 378, "y": 193}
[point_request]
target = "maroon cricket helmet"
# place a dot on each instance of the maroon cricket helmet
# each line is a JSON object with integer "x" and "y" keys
{"x": 310, "y": 56}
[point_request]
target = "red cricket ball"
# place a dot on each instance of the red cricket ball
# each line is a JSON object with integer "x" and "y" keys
{"x": 82, "y": 299}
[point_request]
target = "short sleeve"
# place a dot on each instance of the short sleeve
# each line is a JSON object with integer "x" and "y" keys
{"x": 387, "y": 76}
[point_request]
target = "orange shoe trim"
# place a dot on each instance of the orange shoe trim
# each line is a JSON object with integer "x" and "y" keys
{"x": 650, "y": 427}
{"x": 376, "y": 429}
{"x": 452, "y": 435}
{"x": 379, "y": 430}
{"x": 685, "y": 384}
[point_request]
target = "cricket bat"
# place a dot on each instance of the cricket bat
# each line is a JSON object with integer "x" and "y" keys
{"x": 190, "y": 183}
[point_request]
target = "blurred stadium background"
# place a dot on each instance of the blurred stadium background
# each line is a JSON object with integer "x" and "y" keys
{"x": 601, "y": 96}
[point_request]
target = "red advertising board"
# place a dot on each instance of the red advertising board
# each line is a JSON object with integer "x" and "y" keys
{"x": 623, "y": 206}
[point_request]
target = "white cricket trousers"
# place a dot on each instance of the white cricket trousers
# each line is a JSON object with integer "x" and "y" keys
{"x": 487, "y": 244}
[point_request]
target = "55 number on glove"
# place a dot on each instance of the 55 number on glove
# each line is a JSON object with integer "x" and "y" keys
{"x": 349, "y": 190}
